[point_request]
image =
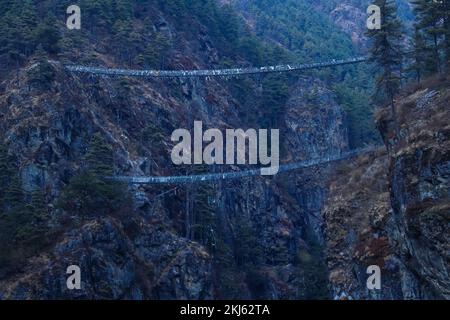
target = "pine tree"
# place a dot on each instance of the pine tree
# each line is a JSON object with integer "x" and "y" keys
{"x": 47, "y": 34}
{"x": 386, "y": 52}
{"x": 430, "y": 16}
{"x": 204, "y": 218}
{"x": 153, "y": 137}
{"x": 90, "y": 192}
{"x": 248, "y": 250}
{"x": 6, "y": 171}
{"x": 28, "y": 221}
{"x": 99, "y": 159}
{"x": 420, "y": 56}
{"x": 14, "y": 195}
{"x": 121, "y": 32}
{"x": 42, "y": 74}
{"x": 18, "y": 20}
{"x": 446, "y": 19}
{"x": 273, "y": 100}
{"x": 39, "y": 207}
{"x": 312, "y": 277}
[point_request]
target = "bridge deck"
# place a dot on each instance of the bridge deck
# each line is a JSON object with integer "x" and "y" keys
{"x": 238, "y": 174}
{"x": 210, "y": 73}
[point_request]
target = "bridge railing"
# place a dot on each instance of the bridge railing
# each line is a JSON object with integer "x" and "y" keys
{"x": 238, "y": 174}
{"x": 209, "y": 73}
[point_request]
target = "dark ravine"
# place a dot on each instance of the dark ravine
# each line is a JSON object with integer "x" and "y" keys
{"x": 309, "y": 234}
{"x": 143, "y": 253}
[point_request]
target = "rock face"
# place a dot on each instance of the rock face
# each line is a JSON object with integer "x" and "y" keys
{"x": 352, "y": 21}
{"x": 351, "y": 16}
{"x": 420, "y": 191}
{"x": 136, "y": 261}
{"x": 315, "y": 127}
{"x": 146, "y": 253}
{"x": 403, "y": 225}
{"x": 356, "y": 230}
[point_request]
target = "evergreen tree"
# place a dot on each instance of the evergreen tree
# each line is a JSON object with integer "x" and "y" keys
{"x": 39, "y": 207}
{"x": 273, "y": 100}
{"x": 204, "y": 219}
{"x": 99, "y": 158}
{"x": 6, "y": 172}
{"x": 153, "y": 137}
{"x": 24, "y": 226}
{"x": 90, "y": 192}
{"x": 17, "y": 23}
{"x": 312, "y": 275}
{"x": 445, "y": 7}
{"x": 42, "y": 74}
{"x": 14, "y": 195}
{"x": 248, "y": 250}
{"x": 154, "y": 53}
{"x": 431, "y": 17}
{"x": 122, "y": 41}
{"x": 47, "y": 34}
{"x": 420, "y": 56}
{"x": 386, "y": 53}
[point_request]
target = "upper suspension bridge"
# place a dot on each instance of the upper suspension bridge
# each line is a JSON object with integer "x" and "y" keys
{"x": 211, "y": 72}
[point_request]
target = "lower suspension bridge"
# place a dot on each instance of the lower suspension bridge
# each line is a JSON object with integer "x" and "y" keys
{"x": 193, "y": 179}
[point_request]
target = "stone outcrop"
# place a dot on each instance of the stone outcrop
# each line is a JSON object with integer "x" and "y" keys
{"x": 393, "y": 210}
{"x": 118, "y": 260}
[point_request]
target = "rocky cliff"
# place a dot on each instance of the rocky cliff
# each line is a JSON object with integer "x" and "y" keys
{"x": 266, "y": 236}
{"x": 394, "y": 210}
{"x": 258, "y": 238}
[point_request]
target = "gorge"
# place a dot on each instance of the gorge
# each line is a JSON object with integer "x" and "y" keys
{"x": 308, "y": 234}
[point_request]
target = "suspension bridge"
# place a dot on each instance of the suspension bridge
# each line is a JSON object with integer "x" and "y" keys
{"x": 211, "y": 72}
{"x": 193, "y": 179}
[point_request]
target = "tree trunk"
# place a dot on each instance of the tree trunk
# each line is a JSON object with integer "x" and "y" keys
{"x": 436, "y": 53}
{"x": 394, "y": 118}
{"x": 187, "y": 213}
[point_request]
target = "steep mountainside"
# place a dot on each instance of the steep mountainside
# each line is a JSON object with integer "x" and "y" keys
{"x": 394, "y": 212}
{"x": 314, "y": 31}
{"x": 257, "y": 238}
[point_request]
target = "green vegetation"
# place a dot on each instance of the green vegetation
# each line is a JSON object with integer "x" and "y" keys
{"x": 300, "y": 28}
{"x": 301, "y": 33}
{"x": 430, "y": 44}
{"x": 387, "y": 53}
{"x": 248, "y": 252}
{"x": 89, "y": 193}
{"x": 312, "y": 271}
{"x": 22, "y": 31}
{"x": 23, "y": 216}
{"x": 41, "y": 74}
{"x": 204, "y": 221}
{"x": 7, "y": 170}
{"x": 432, "y": 40}
{"x": 421, "y": 61}
{"x": 153, "y": 137}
